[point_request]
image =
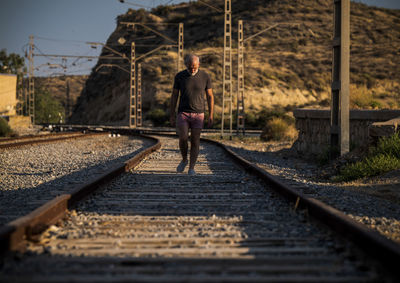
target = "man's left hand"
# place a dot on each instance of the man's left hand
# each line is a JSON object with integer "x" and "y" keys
{"x": 210, "y": 122}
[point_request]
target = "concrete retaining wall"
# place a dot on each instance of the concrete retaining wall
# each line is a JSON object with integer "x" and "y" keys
{"x": 313, "y": 126}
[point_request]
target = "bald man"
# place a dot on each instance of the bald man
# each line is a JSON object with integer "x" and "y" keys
{"x": 194, "y": 86}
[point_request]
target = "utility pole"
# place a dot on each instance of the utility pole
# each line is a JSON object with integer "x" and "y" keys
{"x": 67, "y": 90}
{"x": 20, "y": 97}
{"x": 132, "y": 89}
{"x": 340, "y": 125}
{"x": 139, "y": 95}
{"x": 31, "y": 86}
{"x": 240, "y": 88}
{"x": 26, "y": 98}
{"x": 227, "y": 68}
{"x": 178, "y": 43}
{"x": 135, "y": 109}
{"x": 68, "y": 106}
{"x": 180, "y": 47}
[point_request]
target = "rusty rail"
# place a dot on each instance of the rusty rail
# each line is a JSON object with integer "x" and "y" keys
{"x": 370, "y": 241}
{"x": 30, "y": 140}
{"x": 379, "y": 247}
{"x": 13, "y": 234}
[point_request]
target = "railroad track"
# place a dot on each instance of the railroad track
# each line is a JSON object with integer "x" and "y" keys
{"x": 45, "y": 138}
{"x": 222, "y": 225}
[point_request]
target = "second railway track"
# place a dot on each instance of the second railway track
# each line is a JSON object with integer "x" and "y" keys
{"x": 222, "y": 225}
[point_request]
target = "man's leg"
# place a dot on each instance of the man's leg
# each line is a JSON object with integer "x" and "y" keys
{"x": 194, "y": 146}
{"x": 183, "y": 131}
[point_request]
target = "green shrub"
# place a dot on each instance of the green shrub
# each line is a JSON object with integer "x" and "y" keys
{"x": 5, "y": 129}
{"x": 383, "y": 158}
{"x": 158, "y": 116}
{"x": 370, "y": 166}
{"x": 375, "y": 104}
{"x": 47, "y": 108}
{"x": 389, "y": 146}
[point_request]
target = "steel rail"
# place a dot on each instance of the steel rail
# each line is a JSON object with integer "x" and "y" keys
{"x": 45, "y": 139}
{"x": 373, "y": 243}
{"x": 370, "y": 241}
{"x": 13, "y": 139}
{"x": 14, "y": 234}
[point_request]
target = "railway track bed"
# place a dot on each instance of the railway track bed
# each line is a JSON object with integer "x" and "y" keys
{"x": 32, "y": 175}
{"x": 223, "y": 225}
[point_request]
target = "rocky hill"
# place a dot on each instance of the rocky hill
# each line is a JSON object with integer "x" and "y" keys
{"x": 288, "y": 66}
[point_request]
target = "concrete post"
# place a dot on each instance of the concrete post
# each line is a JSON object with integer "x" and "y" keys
{"x": 340, "y": 136}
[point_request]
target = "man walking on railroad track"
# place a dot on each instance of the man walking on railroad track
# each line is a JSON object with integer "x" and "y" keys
{"x": 193, "y": 85}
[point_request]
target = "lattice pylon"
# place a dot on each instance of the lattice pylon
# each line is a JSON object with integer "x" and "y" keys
{"x": 227, "y": 67}
{"x": 31, "y": 82}
{"x": 20, "y": 97}
{"x": 240, "y": 87}
{"x": 132, "y": 89}
{"x": 180, "y": 47}
{"x": 139, "y": 96}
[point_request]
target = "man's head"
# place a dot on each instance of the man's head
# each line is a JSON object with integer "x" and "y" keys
{"x": 192, "y": 63}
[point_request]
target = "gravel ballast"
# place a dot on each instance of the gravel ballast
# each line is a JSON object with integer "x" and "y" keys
{"x": 360, "y": 200}
{"x": 31, "y": 175}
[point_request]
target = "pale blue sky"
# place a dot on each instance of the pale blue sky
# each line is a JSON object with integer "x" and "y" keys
{"x": 76, "y": 21}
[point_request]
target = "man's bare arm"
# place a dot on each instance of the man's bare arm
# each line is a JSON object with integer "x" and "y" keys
{"x": 174, "y": 100}
{"x": 210, "y": 102}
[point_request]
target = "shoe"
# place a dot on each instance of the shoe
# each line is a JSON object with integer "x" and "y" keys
{"x": 181, "y": 166}
{"x": 191, "y": 172}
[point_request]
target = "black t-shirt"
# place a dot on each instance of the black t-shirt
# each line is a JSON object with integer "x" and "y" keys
{"x": 192, "y": 89}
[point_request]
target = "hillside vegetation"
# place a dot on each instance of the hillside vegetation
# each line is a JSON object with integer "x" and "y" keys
{"x": 286, "y": 67}
{"x": 57, "y": 87}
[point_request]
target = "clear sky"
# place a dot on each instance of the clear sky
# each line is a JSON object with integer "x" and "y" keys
{"x": 63, "y": 26}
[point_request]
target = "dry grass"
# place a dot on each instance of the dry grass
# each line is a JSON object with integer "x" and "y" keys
{"x": 360, "y": 97}
{"x": 277, "y": 129}
{"x": 384, "y": 95}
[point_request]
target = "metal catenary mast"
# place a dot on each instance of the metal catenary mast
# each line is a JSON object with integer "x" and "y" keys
{"x": 31, "y": 83}
{"x": 132, "y": 89}
{"x": 240, "y": 88}
{"x": 227, "y": 68}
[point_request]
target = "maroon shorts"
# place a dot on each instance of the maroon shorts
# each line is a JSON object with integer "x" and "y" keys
{"x": 190, "y": 120}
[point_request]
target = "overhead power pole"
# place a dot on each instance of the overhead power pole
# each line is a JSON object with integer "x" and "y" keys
{"x": 20, "y": 96}
{"x": 139, "y": 96}
{"x": 240, "y": 88}
{"x": 31, "y": 83}
{"x": 227, "y": 68}
{"x": 340, "y": 125}
{"x": 180, "y": 47}
{"x": 132, "y": 89}
{"x": 135, "y": 109}
{"x": 68, "y": 100}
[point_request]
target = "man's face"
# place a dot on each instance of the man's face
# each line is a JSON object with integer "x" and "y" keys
{"x": 193, "y": 66}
